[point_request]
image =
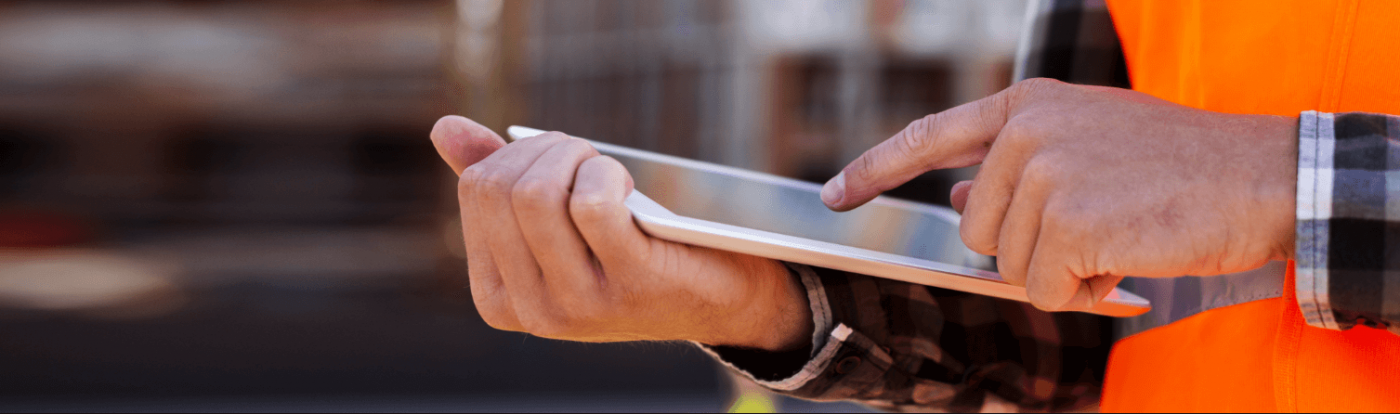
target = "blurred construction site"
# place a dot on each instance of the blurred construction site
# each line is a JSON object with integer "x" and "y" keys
{"x": 214, "y": 205}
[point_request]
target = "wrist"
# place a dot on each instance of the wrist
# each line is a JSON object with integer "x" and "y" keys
{"x": 777, "y": 318}
{"x": 1280, "y": 196}
{"x": 792, "y": 325}
{"x": 1287, "y": 231}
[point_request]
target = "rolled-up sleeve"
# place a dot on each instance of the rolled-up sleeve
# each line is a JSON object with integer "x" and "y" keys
{"x": 901, "y": 346}
{"x": 1348, "y": 218}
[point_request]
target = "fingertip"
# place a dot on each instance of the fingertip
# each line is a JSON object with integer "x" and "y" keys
{"x": 839, "y": 195}
{"x": 462, "y": 142}
{"x": 834, "y": 191}
{"x": 1051, "y": 303}
{"x": 446, "y": 130}
{"x": 1100, "y": 287}
{"x": 1047, "y": 296}
{"x": 446, "y": 124}
{"x": 1084, "y": 300}
{"x": 958, "y": 196}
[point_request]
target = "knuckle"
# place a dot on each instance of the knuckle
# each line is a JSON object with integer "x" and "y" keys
{"x": 1048, "y": 305}
{"x": 863, "y": 169}
{"x": 977, "y": 240}
{"x": 1018, "y": 131}
{"x": 1043, "y": 300}
{"x": 904, "y": 149}
{"x": 1040, "y": 171}
{"x": 917, "y": 138}
{"x": 494, "y": 307}
{"x": 1020, "y": 91}
{"x": 1056, "y": 219}
{"x": 495, "y": 321}
{"x": 546, "y": 325}
{"x": 548, "y": 139}
{"x": 496, "y": 317}
{"x": 534, "y": 193}
{"x": 1063, "y": 214}
{"x": 1035, "y": 84}
{"x": 578, "y": 146}
{"x": 494, "y": 184}
{"x": 532, "y": 323}
{"x": 471, "y": 179}
{"x": 554, "y": 135}
{"x": 1066, "y": 223}
{"x": 589, "y": 206}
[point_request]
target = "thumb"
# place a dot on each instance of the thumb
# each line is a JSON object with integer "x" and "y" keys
{"x": 955, "y": 138}
{"x": 463, "y": 142}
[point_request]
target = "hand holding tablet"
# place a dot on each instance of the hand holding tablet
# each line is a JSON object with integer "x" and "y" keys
{"x": 552, "y": 250}
{"x": 731, "y": 209}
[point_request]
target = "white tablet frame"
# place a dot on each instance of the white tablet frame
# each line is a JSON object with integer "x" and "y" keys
{"x": 659, "y": 222}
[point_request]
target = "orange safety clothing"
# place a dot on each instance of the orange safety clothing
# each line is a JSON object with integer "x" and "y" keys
{"x": 1277, "y": 57}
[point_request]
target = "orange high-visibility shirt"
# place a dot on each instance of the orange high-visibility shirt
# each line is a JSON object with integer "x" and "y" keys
{"x": 1277, "y": 57}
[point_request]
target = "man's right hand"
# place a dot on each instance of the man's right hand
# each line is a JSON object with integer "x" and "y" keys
{"x": 552, "y": 251}
{"x": 1083, "y": 185}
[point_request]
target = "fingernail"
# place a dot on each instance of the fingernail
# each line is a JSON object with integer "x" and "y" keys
{"x": 834, "y": 190}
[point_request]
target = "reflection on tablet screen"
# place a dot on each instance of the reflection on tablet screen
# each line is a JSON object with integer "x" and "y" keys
{"x": 779, "y": 205}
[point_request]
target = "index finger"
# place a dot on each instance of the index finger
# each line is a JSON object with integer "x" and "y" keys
{"x": 955, "y": 138}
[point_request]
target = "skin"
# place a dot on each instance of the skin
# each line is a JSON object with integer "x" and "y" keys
{"x": 1078, "y": 187}
{"x": 552, "y": 251}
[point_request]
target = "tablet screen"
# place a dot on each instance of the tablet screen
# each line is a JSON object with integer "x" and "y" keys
{"x": 779, "y": 205}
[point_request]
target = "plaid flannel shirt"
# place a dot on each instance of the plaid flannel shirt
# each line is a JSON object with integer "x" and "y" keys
{"x": 900, "y": 346}
{"x": 1348, "y": 269}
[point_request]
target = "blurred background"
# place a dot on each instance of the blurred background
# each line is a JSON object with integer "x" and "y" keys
{"x": 234, "y": 205}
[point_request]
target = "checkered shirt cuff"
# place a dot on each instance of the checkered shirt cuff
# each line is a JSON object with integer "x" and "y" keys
{"x": 1347, "y": 266}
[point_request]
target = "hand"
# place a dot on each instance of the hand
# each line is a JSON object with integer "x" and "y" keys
{"x": 552, "y": 251}
{"x": 1080, "y": 186}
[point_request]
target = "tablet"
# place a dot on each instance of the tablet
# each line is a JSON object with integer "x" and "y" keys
{"x": 727, "y": 208}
